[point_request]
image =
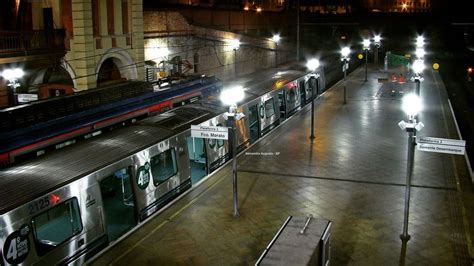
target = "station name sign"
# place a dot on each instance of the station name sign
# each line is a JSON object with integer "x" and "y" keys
{"x": 209, "y": 132}
{"x": 440, "y": 145}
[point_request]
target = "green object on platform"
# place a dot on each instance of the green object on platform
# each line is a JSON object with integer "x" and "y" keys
{"x": 397, "y": 60}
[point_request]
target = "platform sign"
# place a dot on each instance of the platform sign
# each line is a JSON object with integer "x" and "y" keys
{"x": 440, "y": 145}
{"x": 345, "y": 67}
{"x": 27, "y": 97}
{"x": 209, "y": 132}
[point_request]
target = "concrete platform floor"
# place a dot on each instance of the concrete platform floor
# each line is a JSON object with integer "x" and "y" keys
{"x": 353, "y": 173}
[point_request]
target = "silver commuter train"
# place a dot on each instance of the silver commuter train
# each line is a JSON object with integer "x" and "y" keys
{"x": 67, "y": 206}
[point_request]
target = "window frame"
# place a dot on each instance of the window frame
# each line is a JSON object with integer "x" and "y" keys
{"x": 40, "y": 250}
{"x": 175, "y": 163}
{"x": 273, "y": 107}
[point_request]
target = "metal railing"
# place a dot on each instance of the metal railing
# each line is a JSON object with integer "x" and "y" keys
{"x": 32, "y": 41}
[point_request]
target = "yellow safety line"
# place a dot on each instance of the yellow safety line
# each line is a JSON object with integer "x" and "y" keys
{"x": 456, "y": 176}
{"x": 165, "y": 222}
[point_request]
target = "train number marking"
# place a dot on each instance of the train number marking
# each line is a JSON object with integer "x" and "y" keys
{"x": 38, "y": 205}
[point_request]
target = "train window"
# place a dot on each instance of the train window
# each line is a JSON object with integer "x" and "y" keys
{"x": 164, "y": 166}
{"x": 212, "y": 143}
{"x": 269, "y": 108}
{"x": 56, "y": 225}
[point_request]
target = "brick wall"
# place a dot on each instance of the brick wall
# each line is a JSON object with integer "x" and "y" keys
{"x": 169, "y": 30}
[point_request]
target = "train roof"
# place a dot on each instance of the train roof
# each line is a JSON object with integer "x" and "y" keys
{"x": 24, "y": 182}
{"x": 265, "y": 81}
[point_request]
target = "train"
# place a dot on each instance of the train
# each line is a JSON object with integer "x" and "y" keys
{"x": 36, "y": 128}
{"x": 67, "y": 206}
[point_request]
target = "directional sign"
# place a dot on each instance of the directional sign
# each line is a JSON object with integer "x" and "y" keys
{"x": 27, "y": 97}
{"x": 345, "y": 67}
{"x": 451, "y": 146}
{"x": 209, "y": 132}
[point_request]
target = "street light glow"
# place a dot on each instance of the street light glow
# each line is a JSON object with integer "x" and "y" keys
{"x": 232, "y": 96}
{"x": 418, "y": 66}
{"x": 276, "y": 38}
{"x": 234, "y": 44}
{"x": 312, "y": 64}
{"x": 11, "y": 74}
{"x": 377, "y": 39}
{"x": 411, "y": 104}
{"x": 345, "y": 51}
{"x": 420, "y": 52}
{"x": 366, "y": 44}
{"x": 420, "y": 41}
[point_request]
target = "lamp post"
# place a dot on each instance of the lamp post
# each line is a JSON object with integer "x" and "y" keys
{"x": 418, "y": 67}
{"x": 366, "y": 45}
{"x": 276, "y": 39}
{"x": 234, "y": 44}
{"x": 377, "y": 42}
{"x": 12, "y": 76}
{"x": 411, "y": 105}
{"x": 345, "y": 51}
{"x": 312, "y": 65}
{"x": 231, "y": 97}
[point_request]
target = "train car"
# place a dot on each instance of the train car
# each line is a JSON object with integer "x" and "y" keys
{"x": 66, "y": 206}
{"x": 37, "y": 128}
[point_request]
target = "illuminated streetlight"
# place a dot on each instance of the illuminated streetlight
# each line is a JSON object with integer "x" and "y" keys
{"x": 345, "y": 51}
{"x": 377, "y": 40}
{"x": 312, "y": 65}
{"x": 234, "y": 45}
{"x": 276, "y": 39}
{"x": 377, "y": 43}
{"x": 411, "y": 105}
{"x": 418, "y": 67}
{"x": 420, "y": 53}
{"x": 231, "y": 97}
{"x": 420, "y": 41}
{"x": 12, "y": 76}
{"x": 366, "y": 44}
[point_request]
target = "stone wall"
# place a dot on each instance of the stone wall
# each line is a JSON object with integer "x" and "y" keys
{"x": 206, "y": 51}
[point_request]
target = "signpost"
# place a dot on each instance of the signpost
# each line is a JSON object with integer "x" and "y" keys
{"x": 209, "y": 132}
{"x": 440, "y": 145}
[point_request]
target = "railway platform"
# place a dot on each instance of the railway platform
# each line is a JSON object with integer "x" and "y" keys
{"x": 353, "y": 173}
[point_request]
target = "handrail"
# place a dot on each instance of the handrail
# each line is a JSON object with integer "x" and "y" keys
{"x": 19, "y": 41}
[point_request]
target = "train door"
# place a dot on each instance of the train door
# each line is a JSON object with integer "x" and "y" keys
{"x": 253, "y": 123}
{"x": 197, "y": 158}
{"x": 303, "y": 95}
{"x": 119, "y": 203}
{"x": 282, "y": 97}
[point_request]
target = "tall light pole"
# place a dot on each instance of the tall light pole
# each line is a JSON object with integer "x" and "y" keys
{"x": 345, "y": 51}
{"x": 411, "y": 105}
{"x": 366, "y": 44}
{"x": 234, "y": 44}
{"x": 377, "y": 43}
{"x": 12, "y": 76}
{"x": 418, "y": 67}
{"x": 231, "y": 97}
{"x": 276, "y": 39}
{"x": 312, "y": 65}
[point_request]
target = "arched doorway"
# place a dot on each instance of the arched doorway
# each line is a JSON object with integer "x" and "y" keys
{"x": 51, "y": 82}
{"x": 109, "y": 73}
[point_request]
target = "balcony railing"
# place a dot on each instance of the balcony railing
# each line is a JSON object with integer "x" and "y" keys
{"x": 31, "y": 42}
